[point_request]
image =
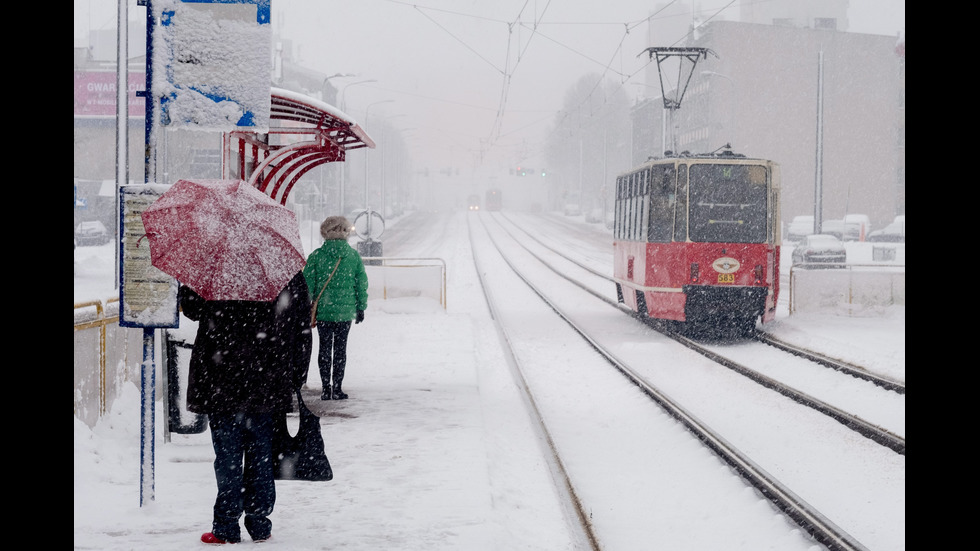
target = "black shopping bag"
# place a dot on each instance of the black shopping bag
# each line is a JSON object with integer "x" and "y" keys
{"x": 300, "y": 457}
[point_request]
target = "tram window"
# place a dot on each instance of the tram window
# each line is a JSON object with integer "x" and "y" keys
{"x": 627, "y": 206}
{"x": 635, "y": 202}
{"x": 680, "y": 207}
{"x": 661, "y": 221}
{"x": 616, "y": 203}
{"x": 642, "y": 210}
{"x": 727, "y": 203}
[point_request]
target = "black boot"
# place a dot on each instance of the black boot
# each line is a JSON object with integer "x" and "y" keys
{"x": 338, "y": 394}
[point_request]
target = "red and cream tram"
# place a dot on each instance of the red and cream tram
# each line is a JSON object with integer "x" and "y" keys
{"x": 696, "y": 241}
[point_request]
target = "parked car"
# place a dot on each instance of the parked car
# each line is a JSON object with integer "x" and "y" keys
{"x": 800, "y": 227}
{"x": 892, "y": 233}
{"x": 856, "y": 227}
{"x": 820, "y": 250}
{"x": 91, "y": 233}
{"x": 836, "y": 228}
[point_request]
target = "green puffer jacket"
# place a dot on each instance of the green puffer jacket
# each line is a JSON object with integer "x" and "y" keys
{"x": 347, "y": 291}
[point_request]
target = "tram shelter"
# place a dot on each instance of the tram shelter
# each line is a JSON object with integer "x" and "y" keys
{"x": 304, "y": 133}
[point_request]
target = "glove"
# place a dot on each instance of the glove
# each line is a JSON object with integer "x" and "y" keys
{"x": 360, "y": 316}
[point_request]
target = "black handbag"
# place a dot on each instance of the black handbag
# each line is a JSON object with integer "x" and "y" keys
{"x": 300, "y": 457}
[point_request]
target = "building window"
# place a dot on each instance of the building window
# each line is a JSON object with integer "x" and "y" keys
{"x": 829, "y": 23}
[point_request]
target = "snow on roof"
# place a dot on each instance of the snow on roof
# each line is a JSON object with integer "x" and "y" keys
{"x": 312, "y": 102}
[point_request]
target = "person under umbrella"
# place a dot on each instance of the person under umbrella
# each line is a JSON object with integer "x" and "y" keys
{"x": 338, "y": 282}
{"x": 238, "y": 256}
{"x": 244, "y": 369}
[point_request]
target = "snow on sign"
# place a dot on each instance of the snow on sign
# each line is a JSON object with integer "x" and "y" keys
{"x": 148, "y": 297}
{"x": 212, "y": 63}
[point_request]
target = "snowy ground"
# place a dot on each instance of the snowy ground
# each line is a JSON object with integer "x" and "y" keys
{"x": 432, "y": 451}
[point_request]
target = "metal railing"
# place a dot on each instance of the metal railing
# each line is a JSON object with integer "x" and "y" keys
{"x": 102, "y": 353}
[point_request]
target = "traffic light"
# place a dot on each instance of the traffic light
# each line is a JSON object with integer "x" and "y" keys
{"x": 524, "y": 171}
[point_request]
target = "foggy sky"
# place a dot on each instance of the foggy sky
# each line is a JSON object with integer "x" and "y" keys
{"x": 471, "y": 82}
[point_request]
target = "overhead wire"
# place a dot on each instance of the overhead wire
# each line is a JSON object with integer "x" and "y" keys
{"x": 508, "y": 71}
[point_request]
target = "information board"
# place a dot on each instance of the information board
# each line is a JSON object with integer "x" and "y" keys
{"x": 147, "y": 296}
{"x": 212, "y": 63}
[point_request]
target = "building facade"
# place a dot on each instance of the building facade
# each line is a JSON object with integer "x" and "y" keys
{"x": 759, "y": 93}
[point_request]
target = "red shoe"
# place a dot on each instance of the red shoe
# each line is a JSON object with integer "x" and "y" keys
{"x": 213, "y": 539}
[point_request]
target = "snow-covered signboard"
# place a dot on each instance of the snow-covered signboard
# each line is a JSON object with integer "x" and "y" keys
{"x": 148, "y": 297}
{"x": 212, "y": 63}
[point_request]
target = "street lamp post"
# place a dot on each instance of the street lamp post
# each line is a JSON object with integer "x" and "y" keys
{"x": 734, "y": 114}
{"x": 384, "y": 128}
{"x": 344, "y": 89}
{"x": 343, "y": 169}
{"x": 367, "y": 209}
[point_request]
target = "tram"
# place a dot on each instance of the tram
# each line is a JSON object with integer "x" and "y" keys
{"x": 494, "y": 200}
{"x": 696, "y": 241}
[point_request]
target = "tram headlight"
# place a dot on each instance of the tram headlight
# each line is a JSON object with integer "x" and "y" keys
{"x": 759, "y": 273}
{"x": 695, "y": 275}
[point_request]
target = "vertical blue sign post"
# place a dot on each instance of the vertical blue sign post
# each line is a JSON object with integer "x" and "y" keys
{"x": 216, "y": 55}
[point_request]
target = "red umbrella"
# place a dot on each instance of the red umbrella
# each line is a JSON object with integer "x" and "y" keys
{"x": 224, "y": 239}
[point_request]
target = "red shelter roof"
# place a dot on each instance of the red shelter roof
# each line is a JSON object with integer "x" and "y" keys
{"x": 304, "y": 133}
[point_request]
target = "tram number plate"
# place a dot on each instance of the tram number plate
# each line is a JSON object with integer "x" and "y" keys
{"x": 726, "y": 278}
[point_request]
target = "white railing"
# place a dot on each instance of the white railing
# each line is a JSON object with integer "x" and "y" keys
{"x": 391, "y": 278}
{"x": 856, "y": 289}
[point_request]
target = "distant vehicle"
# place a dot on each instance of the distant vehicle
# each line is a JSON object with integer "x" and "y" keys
{"x": 836, "y": 228}
{"x": 800, "y": 227}
{"x": 473, "y": 202}
{"x": 856, "y": 227}
{"x": 495, "y": 200}
{"x": 91, "y": 233}
{"x": 594, "y": 216}
{"x": 820, "y": 251}
{"x": 572, "y": 205}
{"x": 892, "y": 233}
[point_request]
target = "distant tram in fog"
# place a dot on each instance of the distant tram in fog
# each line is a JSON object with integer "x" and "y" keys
{"x": 696, "y": 241}
{"x": 494, "y": 200}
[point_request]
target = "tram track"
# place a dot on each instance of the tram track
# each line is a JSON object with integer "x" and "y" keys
{"x": 811, "y": 520}
{"x": 843, "y": 366}
{"x": 872, "y": 430}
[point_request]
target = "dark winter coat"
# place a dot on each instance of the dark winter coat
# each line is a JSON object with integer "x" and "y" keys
{"x": 247, "y": 354}
{"x": 347, "y": 291}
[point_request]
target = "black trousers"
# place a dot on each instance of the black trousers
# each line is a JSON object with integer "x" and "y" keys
{"x": 333, "y": 352}
{"x": 242, "y": 451}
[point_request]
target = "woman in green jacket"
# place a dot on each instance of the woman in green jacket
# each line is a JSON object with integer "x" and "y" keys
{"x": 338, "y": 286}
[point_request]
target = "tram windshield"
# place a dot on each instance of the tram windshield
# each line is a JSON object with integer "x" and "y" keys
{"x": 728, "y": 203}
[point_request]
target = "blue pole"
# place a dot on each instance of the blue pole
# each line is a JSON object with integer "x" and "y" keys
{"x": 147, "y": 368}
{"x": 147, "y": 419}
